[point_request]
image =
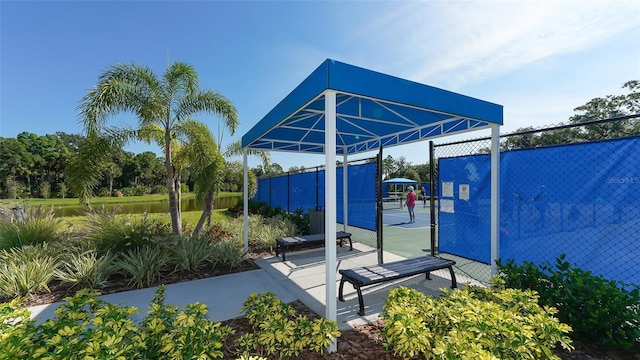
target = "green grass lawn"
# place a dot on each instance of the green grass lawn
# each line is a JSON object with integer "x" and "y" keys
{"x": 189, "y": 218}
{"x": 101, "y": 200}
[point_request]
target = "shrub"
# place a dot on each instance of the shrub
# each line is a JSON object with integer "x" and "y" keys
{"x": 106, "y": 230}
{"x": 191, "y": 253}
{"x": 26, "y": 270}
{"x": 143, "y": 265}
{"x": 89, "y": 328}
{"x": 86, "y": 269}
{"x": 472, "y": 323}
{"x": 38, "y": 226}
{"x": 229, "y": 254}
{"x": 185, "y": 335}
{"x": 599, "y": 310}
{"x": 263, "y": 231}
{"x": 277, "y": 330}
{"x": 298, "y": 217}
{"x": 16, "y": 331}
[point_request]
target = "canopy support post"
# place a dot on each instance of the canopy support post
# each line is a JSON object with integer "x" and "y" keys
{"x": 330, "y": 209}
{"x": 246, "y": 199}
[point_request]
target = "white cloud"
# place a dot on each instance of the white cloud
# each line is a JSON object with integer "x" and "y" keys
{"x": 450, "y": 43}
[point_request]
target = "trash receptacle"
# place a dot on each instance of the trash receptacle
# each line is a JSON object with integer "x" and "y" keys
{"x": 316, "y": 221}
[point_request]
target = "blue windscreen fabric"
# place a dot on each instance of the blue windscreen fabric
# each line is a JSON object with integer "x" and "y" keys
{"x": 302, "y": 191}
{"x": 306, "y": 191}
{"x": 361, "y": 196}
{"x": 582, "y": 200}
{"x": 465, "y": 207}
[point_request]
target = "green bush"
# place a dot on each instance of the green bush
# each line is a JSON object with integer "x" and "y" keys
{"x": 191, "y": 253}
{"x": 87, "y": 269}
{"x": 26, "y": 270}
{"x": 229, "y": 254}
{"x": 39, "y": 226}
{"x": 263, "y": 231}
{"x": 187, "y": 335}
{"x": 599, "y": 310}
{"x": 88, "y": 328}
{"x": 472, "y": 323}
{"x": 143, "y": 265}
{"x": 277, "y": 329}
{"x": 107, "y": 231}
{"x": 298, "y": 218}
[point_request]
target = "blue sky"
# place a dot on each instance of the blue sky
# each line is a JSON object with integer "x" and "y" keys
{"x": 538, "y": 59}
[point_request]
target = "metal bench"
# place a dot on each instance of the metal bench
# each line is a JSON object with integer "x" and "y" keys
{"x": 374, "y": 274}
{"x": 283, "y": 243}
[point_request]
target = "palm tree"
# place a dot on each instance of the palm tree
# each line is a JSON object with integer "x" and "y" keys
{"x": 161, "y": 105}
{"x": 206, "y": 164}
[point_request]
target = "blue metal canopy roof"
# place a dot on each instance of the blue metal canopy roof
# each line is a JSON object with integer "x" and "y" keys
{"x": 372, "y": 110}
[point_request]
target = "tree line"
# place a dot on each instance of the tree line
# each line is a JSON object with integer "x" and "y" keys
{"x": 35, "y": 166}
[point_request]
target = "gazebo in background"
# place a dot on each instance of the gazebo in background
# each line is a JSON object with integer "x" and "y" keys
{"x": 396, "y": 195}
{"x": 341, "y": 109}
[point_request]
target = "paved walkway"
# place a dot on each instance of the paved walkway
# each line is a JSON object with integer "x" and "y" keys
{"x": 301, "y": 277}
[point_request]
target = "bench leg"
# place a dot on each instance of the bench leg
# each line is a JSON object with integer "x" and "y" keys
{"x": 340, "y": 297}
{"x": 284, "y": 257}
{"x": 454, "y": 284}
{"x": 350, "y": 244}
{"x": 360, "y": 300}
{"x": 453, "y": 278}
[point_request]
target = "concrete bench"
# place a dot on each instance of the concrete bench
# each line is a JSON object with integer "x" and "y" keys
{"x": 374, "y": 274}
{"x": 283, "y": 243}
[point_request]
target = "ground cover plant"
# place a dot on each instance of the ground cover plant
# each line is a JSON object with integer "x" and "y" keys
{"x": 85, "y": 327}
{"x": 471, "y": 323}
{"x": 111, "y": 252}
{"x": 599, "y": 310}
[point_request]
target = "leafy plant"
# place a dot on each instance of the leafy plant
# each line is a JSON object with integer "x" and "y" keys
{"x": 86, "y": 269}
{"x": 188, "y": 334}
{"x": 229, "y": 254}
{"x": 89, "y": 328}
{"x": 472, "y": 323}
{"x": 277, "y": 329}
{"x": 263, "y": 231}
{"x": 106, "y": 230}
{"x": 599, "y": 310}
{"x": 16, "y": 331}
{"x": 37, "y": 226}
{"x": 191, "y": 253}
{"x": 26, "y": 270}
{"x": 143, "y": 265}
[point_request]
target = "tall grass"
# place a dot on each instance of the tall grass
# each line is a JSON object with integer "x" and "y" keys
{"x": 107, "y": 231}
{"x": 38, "y": 226}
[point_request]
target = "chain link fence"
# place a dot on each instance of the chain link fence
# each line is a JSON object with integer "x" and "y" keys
{"x": 568, "y": 189}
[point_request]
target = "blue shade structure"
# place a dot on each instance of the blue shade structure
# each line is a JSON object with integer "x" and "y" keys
{"x": 341, "y": 109}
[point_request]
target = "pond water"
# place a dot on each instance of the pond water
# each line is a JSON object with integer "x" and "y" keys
{"x": 161, "y": 206}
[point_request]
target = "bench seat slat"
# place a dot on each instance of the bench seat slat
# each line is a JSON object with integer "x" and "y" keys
{"x": 386, "y": 272}
{"x": 283, "y": 243}
{"x": 369, "y": 275}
